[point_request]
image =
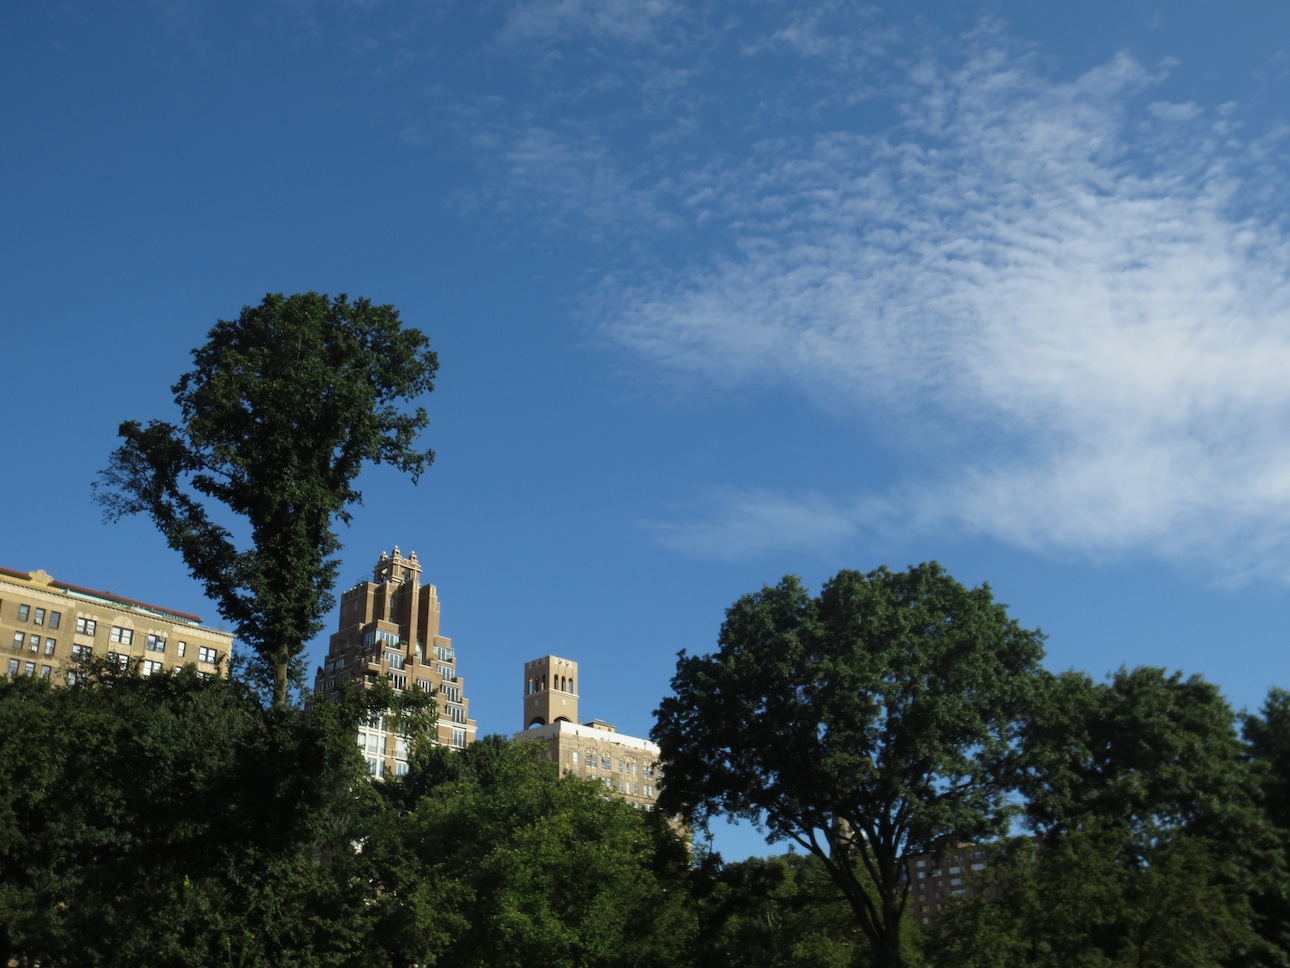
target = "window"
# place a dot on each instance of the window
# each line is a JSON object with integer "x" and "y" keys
{"x": 121, "y": 635}
{"x": 29, "y": 668}
{"x": 956, "y": 870}
{"x": 13, "y": 667}
{"x": 575, "y": 756}
{"x": 921, "y": 862}
{"x": 447, "y": 672}
{"x": 456, "y": 713}
{"x": 33, "y": 643}
{"x": 119, "y": 660}
{"x": 156, "y": 643}
{"x": 24, "y": 613}
{"x": 74, "y": 678}
{"x": 82, "y": 653}
{"x": 978, "y": 867}
{"x": 40, "y": 616}
{"x": 86, "y": 626}
{"x": 450, "y": 692}
{"x": 180, "y": 648}
{"x": 54, "y": 619}
{"x": 50, "y": 644}
{"x": 424, "y": 685}
{"x": 150, "y": 666}
{"x": 394, "y": 659}
{"x": 45, "y": 671}
{"x": 956, "y": 881}
{"x": 458, "y": 740}
{"x": 19, "y": 640}
{"x": 206, "y": 654}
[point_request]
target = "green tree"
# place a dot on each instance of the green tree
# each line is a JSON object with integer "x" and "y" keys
{"x": 1267, "y": 736}
{"x": 170, "y": 820}
{"x": 876, "y": 720}
{"x": 492, "y": 860}
{"x": 1150, "y": 836}
{"x": 774, "y": 911}
{"x": 283, "y": 407}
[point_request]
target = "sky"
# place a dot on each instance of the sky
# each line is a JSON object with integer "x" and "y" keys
{"x": 721, "y": 292}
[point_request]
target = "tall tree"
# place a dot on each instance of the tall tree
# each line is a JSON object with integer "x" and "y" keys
{"x": 495, "y": 861}
{"x": 156, "y": 820}
{"x": 1151, "y": 838}
{"x": 283, "y": 407}
{"x": 1267, "y": 736}
{"x": 876, "y": 720}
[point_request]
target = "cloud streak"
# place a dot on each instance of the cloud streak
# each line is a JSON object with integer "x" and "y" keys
{"x": 1063, "y": 294}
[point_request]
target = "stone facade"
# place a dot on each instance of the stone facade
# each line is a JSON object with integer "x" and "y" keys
{"x": 389, "y": 626}
{"x": 626, "y": 765}
{"x": 48, "y": 628}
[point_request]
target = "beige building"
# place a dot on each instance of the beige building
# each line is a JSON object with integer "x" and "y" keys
{"x": 626, "y": 765}
{"x": 389, "y": 626}
{"x": 49, "y": 627}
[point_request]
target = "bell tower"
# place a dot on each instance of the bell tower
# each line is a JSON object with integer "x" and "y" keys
{"x": 550, "y": 692}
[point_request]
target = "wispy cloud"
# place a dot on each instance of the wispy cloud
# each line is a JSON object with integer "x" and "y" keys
{"x": 1064, "y": 292}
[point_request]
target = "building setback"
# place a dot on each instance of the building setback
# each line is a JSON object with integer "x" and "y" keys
{"x": 626, "y": 765}
{"x": 49, "y": 627}
{"x": 389, "y": 626}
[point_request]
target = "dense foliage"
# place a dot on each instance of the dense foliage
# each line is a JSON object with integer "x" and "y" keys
{"x": 876, "y": 720}
{"x": 283, "y": 408}
{"x": 173, "y": 820}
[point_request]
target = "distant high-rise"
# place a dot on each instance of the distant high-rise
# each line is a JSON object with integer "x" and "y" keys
{"x": 626, "y": 765}
{"x": 389, "y": 626}
{"x": 51, "y": 627}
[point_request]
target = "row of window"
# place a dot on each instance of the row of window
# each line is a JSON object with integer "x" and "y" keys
{"x": 626, "y": 767}
{"x": 18, "y": 667}
{"x": 33, "y": 643}
{"x": 39, "y": 616}
{"x": 624, "y": 786}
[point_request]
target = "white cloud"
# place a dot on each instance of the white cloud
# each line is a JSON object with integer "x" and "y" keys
{"x": 741, "y": 523}
{"x": 634, "y": 21}
{"x": 1064, "y": 287}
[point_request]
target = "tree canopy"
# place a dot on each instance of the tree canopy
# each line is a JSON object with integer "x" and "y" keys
{"x": 877, "y": 719}
{"x": 282, "y": 409}
{"x": 1151, "y": 840}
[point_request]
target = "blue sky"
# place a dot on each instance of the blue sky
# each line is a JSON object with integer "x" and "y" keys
{"x": 721, "y": 292}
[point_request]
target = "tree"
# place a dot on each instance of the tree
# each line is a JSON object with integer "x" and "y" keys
{"x": 1150, "y": 836}
{"x": 1089, "y": 899}
{"x": 1267, "y": 737}
{"x": 768, "y": 912}
{"x": 281, "y": 411}
{"x": 876, "y": 720}
{"x": 494, "y": 860}
{"x": 156, "y": 820}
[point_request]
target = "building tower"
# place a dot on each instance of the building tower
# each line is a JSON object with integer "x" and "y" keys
{"x": 389, "y": 626}
{"x": 549, "y": 691}
{"x": 626, "y": 765}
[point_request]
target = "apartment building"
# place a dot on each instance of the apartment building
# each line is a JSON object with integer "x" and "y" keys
{"x": 935, "y": 880}
{"x": 50, "y": 628}
{"x": 389, "y": 627}
{"x": 626, "y": 765}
